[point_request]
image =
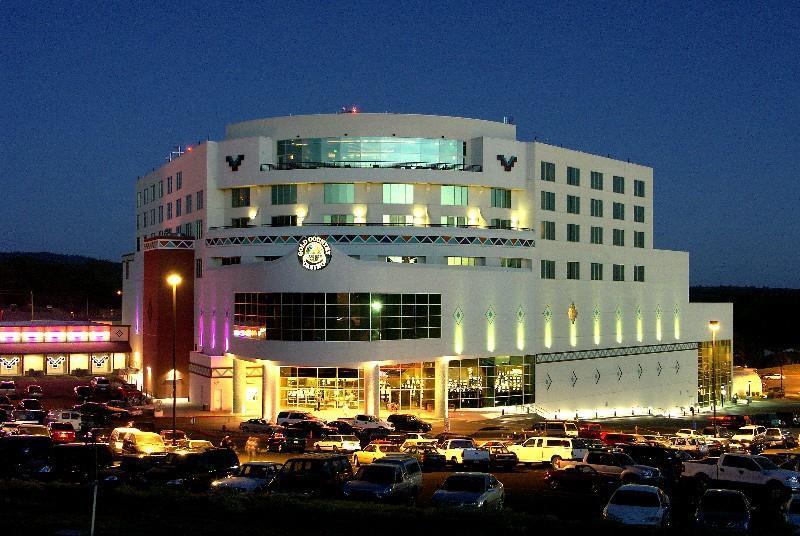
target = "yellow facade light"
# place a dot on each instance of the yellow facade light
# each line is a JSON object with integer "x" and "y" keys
{"x": 174, "y": 280}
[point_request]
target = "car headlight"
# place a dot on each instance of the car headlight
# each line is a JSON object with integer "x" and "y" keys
{"x": 793, "y": 479}
{"x": 480, "y": 503}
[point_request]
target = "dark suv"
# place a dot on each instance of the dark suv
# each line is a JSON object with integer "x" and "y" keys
{"x": 23, "y": 455}
{"x": 313, "y": 474}
{"x": 193, "y": 470}
{"x": 408, "y": 423}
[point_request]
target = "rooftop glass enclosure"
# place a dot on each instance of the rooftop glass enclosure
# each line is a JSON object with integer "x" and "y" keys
{"x": 373, "y": 151}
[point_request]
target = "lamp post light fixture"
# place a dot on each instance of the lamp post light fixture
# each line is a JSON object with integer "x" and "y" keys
{"x": 713, "y": 325}
{"x": 174, "y": 280}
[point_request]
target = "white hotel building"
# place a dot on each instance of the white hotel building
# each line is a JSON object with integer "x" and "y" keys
{"x": 458, "y": 267}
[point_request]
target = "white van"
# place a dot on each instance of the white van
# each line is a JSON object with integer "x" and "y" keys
{"x": 68, "y": 416}
{"x": 552, "y": 450}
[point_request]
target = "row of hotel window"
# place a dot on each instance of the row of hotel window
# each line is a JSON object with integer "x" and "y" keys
{"x": 388, "y": 219}
{"x": 596, "y": 180}
{"x": 505, "y": 262}
{"x": 156, "y": 191}
{"x": 548, "y": 202}
{"x": 393, "y": 194}
{"x": 182, "y": 206}
{"x": 548, "y": 271}
{"x": 547, "y": 231}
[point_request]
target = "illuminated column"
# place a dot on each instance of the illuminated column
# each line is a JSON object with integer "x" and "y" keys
{"x": 658, "y": 322}
{"x": 491, "y": 341}
{"x": 596, "y": 324}
{"x": 270, "y": 400}
{"x": 619, "y": 325}
{"x": 239, "y": 384}
{"x": 440, "y": 402}
{"x": 639, "y": 325}
{"x": 520, "y": 328}
{"x": 572, "y": 313}
{"x": 458, "y": 331}
{"x": 548, "y": 326}
{"x": 372, "y": 388}
{"x": 677, "y": 325}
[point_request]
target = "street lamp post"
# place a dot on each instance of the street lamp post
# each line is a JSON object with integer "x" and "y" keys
{"x": 174, "y": 280}
{"x": 713, "y": 325}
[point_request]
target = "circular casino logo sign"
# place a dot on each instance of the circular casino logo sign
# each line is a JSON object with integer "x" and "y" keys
{"x": 314, "y": 253}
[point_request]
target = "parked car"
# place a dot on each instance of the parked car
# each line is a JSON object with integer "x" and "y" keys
{"x": 408, "y": 423}
{"x": 581, "y": 478}
{"x": 418, "y": 438}
{"x": 362, "y": 422}
{"x": 30, "y": 404}
{"x": 61, "y": 432}
{"x": 30, "y": 416}
{"x": 337, "y": 443}
{"x": 82, "y": 392}
{"x": 22, "y": 456}
{"x": 257, "y": 426}
{"x": 495, "y": 434}
{"x": 470, "y": 490}
{"x": 77, "y": 462}
{"x": 302, "y": 436}
{"x": 71, "y": 417}
{"x": 373, "y": 452}
{"x": 199, "y": 444}
{"x": 408, "y": 464}
{"x": 193, "y": 470}
{"x": 793, "y": 513}
{"x": 590, "y": 430}
{"x": 143, "y": 443}
{"x": 776, "y": 437}
{"x": 555, "y": 429}
{"x": 313, "y": 474}
{"x": 688, "y": 432}
{"x": 744, "y": 472}
{"x": 251, "y": 477}
{"x": 6, "y": 415}
{"x": 723, "y": 510}
{"x": 695, "y": 446}
{"x": 342, "y": 427}
{"x": 98, "y": 435}
{"x": 100, "y": 383}
{"x": 31, "y": 429}
{"x": 552, "y": 450}
{"x": 286, "y": 418}
{"x": 750, "y": 435}
{"x": 34, "y": 391}
{"x": 427, "y": 455}
{"x": 272, "y": 441}
{"x": 464, "y": 452}
{"x": 177, "y": 440}
{"x": 368, "y": 435}
{"x": 500, "y": 458}
{"x": 639, "y": 505}
{"x": 668, "y": 461}
{"x": 619, "y": 438}
{"x": 8, "y": 388}
{"x": 622, "y": 466}
{"x": 117, "y": 437}
{"x": 382, "y": 482}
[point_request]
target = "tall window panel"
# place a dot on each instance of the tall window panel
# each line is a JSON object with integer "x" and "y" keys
{"x": 548, "y": 230}
{"x": 573, "y": 270}
{"x": 339, "y": 193}
{"x": 596, "y": 207}
{"x": 455, "y": 195}
{"x": 453, "y": 221}
{"x": 398, "y": 194}
{"x": 573, "y": 204}
{"x": 596, "y": 235}
{"x": 240, "y": 197}
{"x": 638, "y": 188}
{"x": 548, "y": 269}
{"x": 619, "y": 185}
{"x": 573, "y": 176}
{"x": 638, "y": 274}
{"x": 638, "y": 214}
{"x": 619, "y": 211}
{"x": 619, "y": 237}
{"x": 284, "y": 194}
{"x": 638, "y": 239}
{"x": 619, "y": 272}
{"x": 548, "y": 200}
{"x": 501, "y": 198}
{"x": 596, "y": 180}
{"x": 597, "y": 271}
{"x": 573, "y": 232}
{"x": 548, "y": 171}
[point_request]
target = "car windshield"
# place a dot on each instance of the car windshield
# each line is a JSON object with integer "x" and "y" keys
{"x": 623, "y": 460}
{"x": 349, "y": 438}
{"x": 461, "y": 444}
{"x": 630, "y": 497}
{"x": 389, "y": 448}
{"x": 765, "y": 463}
{"x": 254, "y": 471}
{"x": 470, "y": 484}
{"x": 498, "y": 449}
{"x": 377, "y": 474}
{"x": 722, "y": 502}
{"x": 149, "y": 439}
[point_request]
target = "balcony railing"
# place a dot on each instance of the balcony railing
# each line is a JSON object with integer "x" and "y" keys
{"x": 423, "y": 225}
{"x": 373, "y": 164}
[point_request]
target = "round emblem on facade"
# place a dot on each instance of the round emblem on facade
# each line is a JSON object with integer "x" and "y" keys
{"x": 314, "y": 253}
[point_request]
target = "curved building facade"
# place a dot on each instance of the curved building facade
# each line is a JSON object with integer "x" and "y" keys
{"x": 374, "y": 262}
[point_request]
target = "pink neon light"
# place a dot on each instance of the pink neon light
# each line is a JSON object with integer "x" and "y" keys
{"x": 214, "y": 328}
{"x": 200, "y": 328}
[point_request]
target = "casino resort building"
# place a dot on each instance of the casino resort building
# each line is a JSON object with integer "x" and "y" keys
{"x": 357, "y": 262}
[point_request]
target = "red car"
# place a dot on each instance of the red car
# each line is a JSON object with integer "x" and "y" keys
{"x": 590, "y": 430}
{"x": 61, "y": 432}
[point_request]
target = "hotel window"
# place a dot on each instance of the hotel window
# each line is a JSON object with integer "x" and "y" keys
{"x": 548, "y": 230}
{"x": 138, "y": 199}
{"x": 597, "y": 271}
{"x": 398, "y": 194}
{"x": 284, "y": 221}
{"x": 596, "y": 180}
{"x": 596, "y": 207}
{"x": 573, "y": 270}
{"x": 228, "y": 261}
{"x": 187, "y": 229}
{"x": 638, "y": 214}
{"x": 177, "y": 208}
{"x": 548, "y": 269}
{"x": 501, "y": 198}
{"x": 573, "y": 204}
{"x": 638, "y": 239}
{"x": 160, "y": 213}
{"x": 144, "y": 219}
{"x": 548, "y": 171}
{"x": 169, "y": 185}
{"x": 145, "y": 193}
{"x": 240, "y": 197}
{"x": 573, "y": 176}
{"x": 198, "y": 229}
{"x": 455, "y": 195}
{"x": 405, "y": 260}
{"x": 619, "y": 185}
{"x": 198, "y": 269}
{"x": 638, "y": 188}
{"x": 160, "y": 189}
{"x": 573, "y": 232}
{"x": 453, "y": 221}
{"x": 638, "y": 274}
{"x": 179, "y": 180}
{"x": 138, "y": 221}
{"x": 189, "y": 204}
{"x": 338, "y": 219}
{"x": 152, "y": 192}
{"x": 465, "y": 261}
{"x": 200, "y": 200}
{"x": 152, "y": 216}
{"x": 240, "y": 223}
{"x": 398, "y": 219}
{"x": 510, "y": 263}
{"x": 337, "y": 193}
{"x": 548, "y": 200}
{"x": 596, "y": 235}
{"x": 619, "y": 237}
{"x": 169, "y": 211}
{"x": 619, "y": 211}
{"x": 284, "y": 194}
{"x": 619, "y": 272}
{"x": 498, "y": 223}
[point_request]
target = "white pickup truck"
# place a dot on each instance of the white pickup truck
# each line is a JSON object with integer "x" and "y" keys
{"x": 744, "y": 472}
{"x": 464, "y": 452}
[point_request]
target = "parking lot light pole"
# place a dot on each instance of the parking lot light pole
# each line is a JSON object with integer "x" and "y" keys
{"x": 713, "y": 325}
{"x": 174, "y": 280}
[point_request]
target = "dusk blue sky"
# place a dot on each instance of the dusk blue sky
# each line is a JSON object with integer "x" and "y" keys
{"x": 94, "y": 94}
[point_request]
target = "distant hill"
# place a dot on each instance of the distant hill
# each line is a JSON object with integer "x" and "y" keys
{"x": 63, "y": 282}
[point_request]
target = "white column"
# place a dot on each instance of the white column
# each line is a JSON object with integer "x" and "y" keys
{"x": 239, "y": 385}
{"x": 440, "y": 402}
{"x": 372, "y": 388}
{"x": 269, "y": 390}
